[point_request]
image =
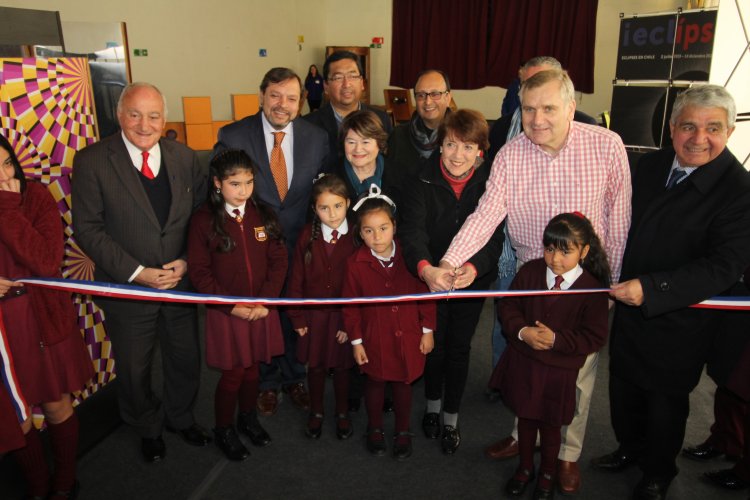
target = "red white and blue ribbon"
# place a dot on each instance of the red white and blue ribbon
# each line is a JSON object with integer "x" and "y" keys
{"x": 150, "y": 294}
{"x": 8, "y": 376}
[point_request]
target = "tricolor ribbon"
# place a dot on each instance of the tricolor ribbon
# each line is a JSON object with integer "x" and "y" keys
{"x": 8, "y": 376}
{"x": 151, "y": 294}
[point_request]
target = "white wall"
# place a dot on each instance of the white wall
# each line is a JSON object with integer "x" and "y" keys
{"x": 199, "y": 48}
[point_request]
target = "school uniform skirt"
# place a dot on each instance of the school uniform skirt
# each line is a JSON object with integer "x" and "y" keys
{"x": 232, "y": 342}
{"x": 534, "y": 390}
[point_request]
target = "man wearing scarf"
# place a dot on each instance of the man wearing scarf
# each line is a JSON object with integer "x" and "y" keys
{"x": 411, "y": 144}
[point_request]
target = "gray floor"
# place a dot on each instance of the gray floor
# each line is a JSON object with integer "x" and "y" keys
{"x": 295, "y": 467}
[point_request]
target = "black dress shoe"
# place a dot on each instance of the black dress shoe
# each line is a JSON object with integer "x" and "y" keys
{"x": 376, "y": 442}
{"x": 402, "y": 448}
{"x": 70, "y": 494}
{"x": 651, "y": 488}
{"x": 314, "y": 426}
{"x": 702, "y": 453}
{"x": 229, "y": 442}
{"x": 247, "y": 423}
{"x": 727, "y": 479}
{"x": 431, "y": 425}
{"x": 516, "y": 485}
{"x": 194, "y": 435}
{"x": 154, "y": 449}
{"x": 344, "y": 427}
{"x": 541, "y": 493}
{"x": 614, "y": 462}
{"x": 451, "y": 439}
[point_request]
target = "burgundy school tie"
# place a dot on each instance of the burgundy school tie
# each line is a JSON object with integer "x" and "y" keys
{"x": 334, "y": 237}
{"x": 145, "y": 169}
{"x": 237, "y": 215}
{"x": 558, "y": 282}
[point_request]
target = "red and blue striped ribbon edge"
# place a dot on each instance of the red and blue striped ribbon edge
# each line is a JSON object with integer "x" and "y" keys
{"x": 150, "y": 294}
{"x": 8, "y": 375}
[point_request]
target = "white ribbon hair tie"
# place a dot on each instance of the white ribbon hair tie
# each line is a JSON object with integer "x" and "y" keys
{"x": 374, "y": 193}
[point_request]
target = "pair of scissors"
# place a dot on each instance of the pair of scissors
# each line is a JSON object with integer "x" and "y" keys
{"x": 453, "y": 285}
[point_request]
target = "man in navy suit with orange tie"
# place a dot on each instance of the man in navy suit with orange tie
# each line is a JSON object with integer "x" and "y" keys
{"x": 275, "y": 140}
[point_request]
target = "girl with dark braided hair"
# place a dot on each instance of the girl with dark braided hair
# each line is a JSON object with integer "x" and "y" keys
{"x": 318, "y": 271}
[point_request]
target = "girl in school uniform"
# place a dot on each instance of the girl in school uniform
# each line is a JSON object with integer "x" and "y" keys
{"x": 549, "y": 338}
{"x": 318, "y": 271}
{"x": 235, "y": 248}
{"x": 390, "y": 340}
{"x": 42, "y": 335}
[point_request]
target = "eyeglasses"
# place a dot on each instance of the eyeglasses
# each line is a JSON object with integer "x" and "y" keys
{"x": 421, "y": 96}
{"x": 339, "y": 78}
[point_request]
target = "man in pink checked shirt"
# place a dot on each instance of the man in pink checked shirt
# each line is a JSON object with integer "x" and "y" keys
{"x": 557, "y": 165}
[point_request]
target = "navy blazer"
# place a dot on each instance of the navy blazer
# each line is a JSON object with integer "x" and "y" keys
{"x": 685, "y": 245}
{"x": 310, "y": 150}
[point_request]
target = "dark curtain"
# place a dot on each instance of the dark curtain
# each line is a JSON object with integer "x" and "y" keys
{"x": 440, "y": 34}
{"x": 483, "y": 42}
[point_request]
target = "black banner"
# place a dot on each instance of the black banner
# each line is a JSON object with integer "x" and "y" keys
{"x": 646, "y": 46}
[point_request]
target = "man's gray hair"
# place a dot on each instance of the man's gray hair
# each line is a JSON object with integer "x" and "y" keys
{"x": 705, "y": 96}
{"x": 542, "y": 61}
{"x": 137, "y": 85}
{"x": 567, "y": 92}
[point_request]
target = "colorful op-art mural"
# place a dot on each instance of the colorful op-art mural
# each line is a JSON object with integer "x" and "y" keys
{"x": 47, "y": 114}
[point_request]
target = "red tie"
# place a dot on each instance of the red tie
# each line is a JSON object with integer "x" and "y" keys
{"x": 145, "y": 169}
{"x": 237, "y": 215}
{"x": 558, "y": 282}
{"x": 334, "y": 237}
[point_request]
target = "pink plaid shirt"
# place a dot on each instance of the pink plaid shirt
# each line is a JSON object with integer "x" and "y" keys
{"x": 590, "y": 174}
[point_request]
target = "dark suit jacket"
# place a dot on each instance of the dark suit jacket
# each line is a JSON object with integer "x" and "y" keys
{"x": 325, "y": 119}
{"x": 685, "y": 245}
{"x": 113, "y": 219}
{"x": 499, "y": 131}
{"x": 310, "y": 150}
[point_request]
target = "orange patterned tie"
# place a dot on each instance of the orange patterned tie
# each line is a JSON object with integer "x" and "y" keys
{"x": 278, "y": 165}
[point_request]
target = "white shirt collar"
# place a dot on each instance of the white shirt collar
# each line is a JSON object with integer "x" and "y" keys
{"x": 231, "y": 208}
{"x": 568, "y": 278}
{"x": 327, "y": 231}
{"x": 385, "y": 259}
{"x": 268, "y": 129}
{"x": 154, "y": 155}
{"x": 676, "y": 164}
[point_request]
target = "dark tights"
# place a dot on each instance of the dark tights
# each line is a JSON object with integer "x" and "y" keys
{"x": 550, "y": 444}
{"x": 374, "y": 396}
{"x": 235, "y": 385}
{"x": 316, "y": 383}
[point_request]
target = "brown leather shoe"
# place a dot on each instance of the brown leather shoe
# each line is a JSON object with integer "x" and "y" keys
{"x": 268, "y": 402}
{"x": 299, "y": 395}
{"x": 568, "y": 477}
{"x": 503, "y": 449}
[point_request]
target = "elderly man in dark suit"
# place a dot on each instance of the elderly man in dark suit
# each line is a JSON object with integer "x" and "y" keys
{"x": 689, "y": 240}
{"x": 344, "y": 82}
{"x": 289, "y": 154}
{"x": 133, "y": 195}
